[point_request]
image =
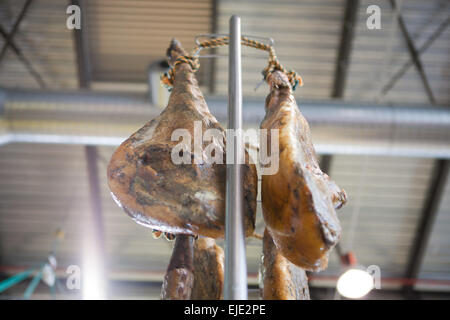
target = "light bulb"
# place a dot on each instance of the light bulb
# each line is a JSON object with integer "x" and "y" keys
{"x": 354, "y": 283}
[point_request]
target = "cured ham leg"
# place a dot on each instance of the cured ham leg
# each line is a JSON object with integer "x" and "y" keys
{"x": 178, "y": 198}
{"x": 298, "y": 201}
{"x": 280, "y": 279}
{"x": 208, "y": 270}
{"x": 179, "y": 278}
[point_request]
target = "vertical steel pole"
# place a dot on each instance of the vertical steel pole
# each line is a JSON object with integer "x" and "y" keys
{"x": 235, "y": 259}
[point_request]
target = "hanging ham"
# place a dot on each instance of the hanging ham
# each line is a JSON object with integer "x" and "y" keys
{"x": 279, "y": 278}
{"x": 299, "y": 201}
{"x": 208, "y": 270}
{"x": 179, "y": 278}
{"x": 178, "y": 198}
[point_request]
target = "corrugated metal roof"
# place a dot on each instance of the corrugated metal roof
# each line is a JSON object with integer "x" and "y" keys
{"x": 126, "y": 36}
{"x": 306, "y": 35}
{"x": 436, "y": 263}
{"x": 378, "y": 55}
{"x": 45, "y": 187}
{"x": 385, "y": 200}
{"x": 44, "y": 40}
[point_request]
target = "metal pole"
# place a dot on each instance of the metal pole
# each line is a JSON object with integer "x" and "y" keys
{"x": 235, "y": 260}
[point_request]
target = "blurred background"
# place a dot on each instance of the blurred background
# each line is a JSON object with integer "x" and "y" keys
{"x": 377, "y": 101}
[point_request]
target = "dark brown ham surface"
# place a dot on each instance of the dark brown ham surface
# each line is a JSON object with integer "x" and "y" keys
{"x": 179, "y": 277}
{"x": 280, "y": 279}
{"x": 299, "y": 201}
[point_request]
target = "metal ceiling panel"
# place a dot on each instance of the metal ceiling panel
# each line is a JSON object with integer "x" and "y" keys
{"x": 126, "y": 36}
{"x": 378, "y": 55}
{"x": 385, "y": 200}
{"x": 306, "y": 35}
{"x": 43, "y": 187}
{"x": 44, "y": 40}
{"x": 436, "y": 262}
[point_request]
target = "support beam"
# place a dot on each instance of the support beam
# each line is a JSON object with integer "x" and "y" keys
{"x": 91, "y": 151}
{"x": 425, "y": 225}
{"x": 9, "y": 42}
{"x": 342, "y": 63}
{"x": 23, "y": 59}
{"x": 15, "y": 28}
{"x": 82, "y": 49}
{"x": 94, "y": 254}
{"x": 345, "y": 47}
{"x": 325, "y": 163}
{"x": 212, "y": 62}
{"x": 399, "y": 74}
{"x": 414, "y": 53}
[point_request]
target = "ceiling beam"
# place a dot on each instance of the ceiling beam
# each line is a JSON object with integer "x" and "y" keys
{"x": 415, "y": 57}
{"x": 399, "y": 74}
{"x": 345, "y": 47}
{"x": 95, "y": 193}
{"x": 426, "y": 222}
{"x": 94, "y": 230}
{"x": 15, "y": 28}
{"x": 10, "y": 41}
{"x": 212, "y": 63}
{"x": 82, "y": 48}
{"x": 342, "y": 62}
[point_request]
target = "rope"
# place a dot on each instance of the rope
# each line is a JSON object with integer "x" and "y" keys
{"x": 294, "y": 79}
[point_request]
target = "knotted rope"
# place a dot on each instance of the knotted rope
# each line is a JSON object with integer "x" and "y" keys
{"x": 192, "y": 59}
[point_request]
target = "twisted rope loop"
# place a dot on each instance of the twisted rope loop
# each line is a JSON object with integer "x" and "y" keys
{"x": 168, "y": 77}
{"x": 295, "y": 79}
